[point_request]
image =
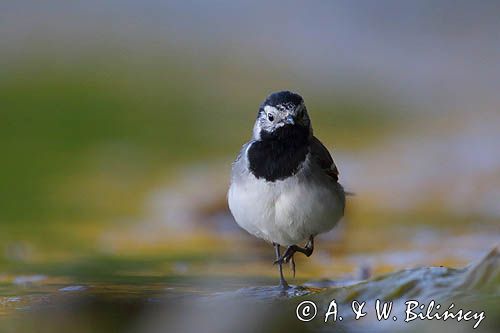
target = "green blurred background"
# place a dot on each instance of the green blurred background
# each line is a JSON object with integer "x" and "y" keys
{"x": 119, "y": 122}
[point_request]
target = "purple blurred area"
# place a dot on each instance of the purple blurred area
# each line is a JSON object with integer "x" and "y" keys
{"x": 445, "y": 53}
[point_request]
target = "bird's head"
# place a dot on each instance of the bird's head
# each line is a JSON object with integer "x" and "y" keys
{"x": 281, "y": 111}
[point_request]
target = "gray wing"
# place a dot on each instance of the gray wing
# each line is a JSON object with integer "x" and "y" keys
{"x": 323, "y": 158}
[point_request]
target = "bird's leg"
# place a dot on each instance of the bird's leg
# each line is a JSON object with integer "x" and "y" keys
{"x": 290, "y": 251}
{"x": 283, "y": 283}
{"x": 292, "y": 266}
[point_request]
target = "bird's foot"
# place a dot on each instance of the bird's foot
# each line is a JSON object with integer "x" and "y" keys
{"x": 283, "y": 284}
{"x": 292, "y": 249}
{"x": 287, "y": 256}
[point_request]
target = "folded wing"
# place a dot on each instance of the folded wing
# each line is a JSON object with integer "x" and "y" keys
{"x": 324, "y": 159}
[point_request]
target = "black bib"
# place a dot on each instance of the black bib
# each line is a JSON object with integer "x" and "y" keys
{"x": 279, "y": 155}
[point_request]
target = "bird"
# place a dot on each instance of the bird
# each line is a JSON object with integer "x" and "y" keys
{"x": 284, "y": 185}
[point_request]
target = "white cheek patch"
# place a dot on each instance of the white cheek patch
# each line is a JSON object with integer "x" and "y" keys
{"x": 269, "y": 109}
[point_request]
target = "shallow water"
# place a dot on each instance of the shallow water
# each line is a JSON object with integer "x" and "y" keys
{"x": 218, "y": 305}
{"x": 221, "y": 293}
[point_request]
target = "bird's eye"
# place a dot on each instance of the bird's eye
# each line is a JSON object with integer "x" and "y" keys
{"x": 270, "y": 117}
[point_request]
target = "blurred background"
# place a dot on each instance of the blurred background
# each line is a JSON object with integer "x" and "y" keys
{"x": 119, "y": 121}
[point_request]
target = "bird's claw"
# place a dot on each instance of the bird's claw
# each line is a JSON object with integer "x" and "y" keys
{"x": 287, "y": 256}
{"x": 285, "y": 259}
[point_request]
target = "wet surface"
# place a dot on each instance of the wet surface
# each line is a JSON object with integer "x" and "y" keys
{"x": 216, "y": 292}
{"x": 142, "y": 306}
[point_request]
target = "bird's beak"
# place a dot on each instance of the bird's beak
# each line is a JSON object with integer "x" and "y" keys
{"x": 289, "y": 120}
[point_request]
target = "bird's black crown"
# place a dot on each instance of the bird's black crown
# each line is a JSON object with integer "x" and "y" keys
{"x": 283, "y": 97}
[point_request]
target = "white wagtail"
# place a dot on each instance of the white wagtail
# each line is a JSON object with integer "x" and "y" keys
{"x": 284, "y": 185}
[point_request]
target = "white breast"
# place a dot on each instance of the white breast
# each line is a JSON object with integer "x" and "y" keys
{"x": 286, "y": 211}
